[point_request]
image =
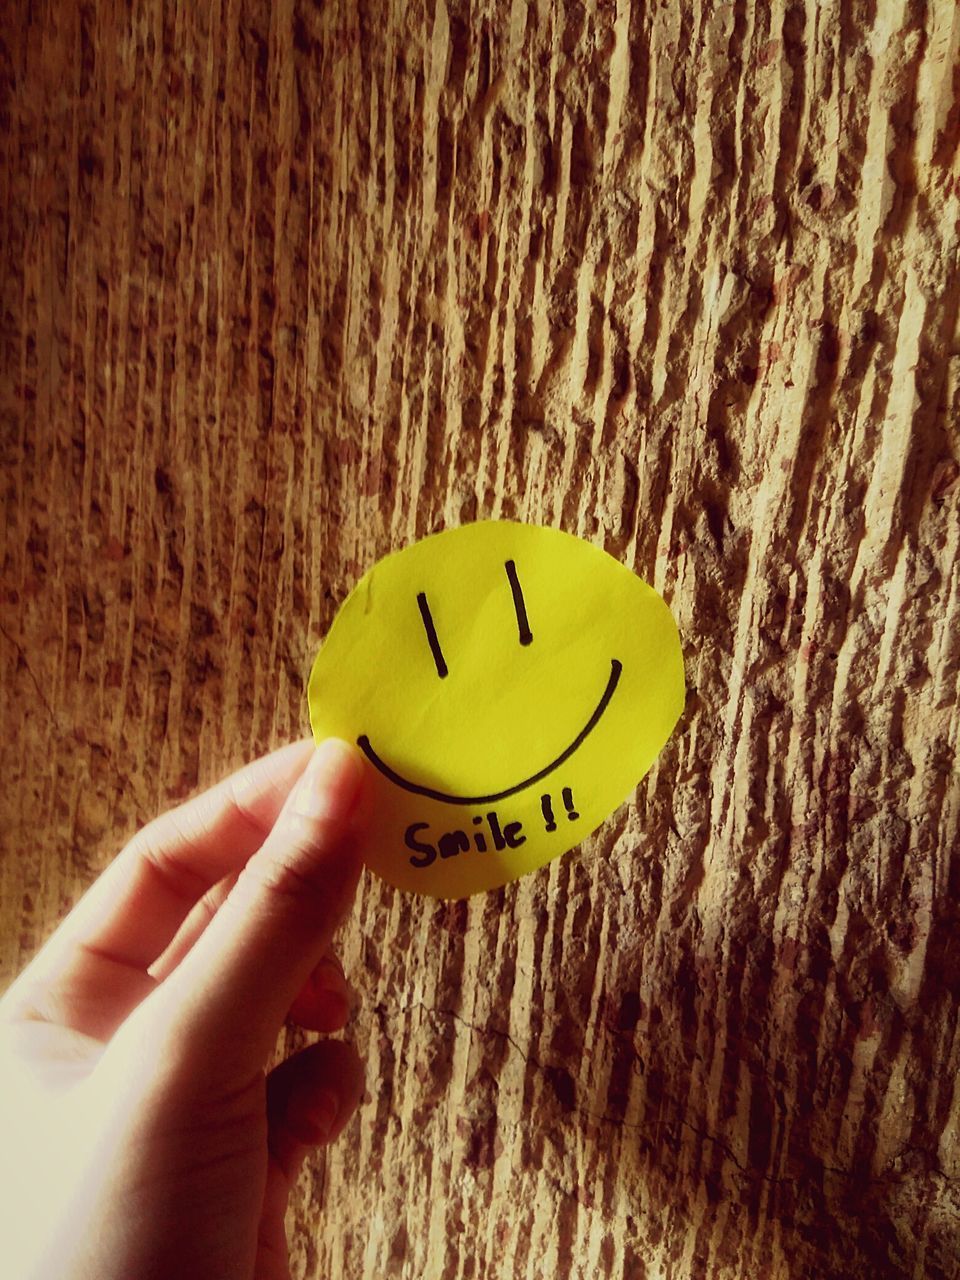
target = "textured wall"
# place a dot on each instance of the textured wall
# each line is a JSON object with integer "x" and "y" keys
{"x": 286, "y": 285}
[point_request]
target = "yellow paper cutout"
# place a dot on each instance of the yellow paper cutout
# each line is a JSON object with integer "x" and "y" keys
{"x": 509, "y": 686}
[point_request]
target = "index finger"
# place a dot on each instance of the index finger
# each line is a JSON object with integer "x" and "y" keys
{"x": 133, "y": 911}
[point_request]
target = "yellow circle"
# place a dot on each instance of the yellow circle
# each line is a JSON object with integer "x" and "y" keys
{"x": 508, "y": 685}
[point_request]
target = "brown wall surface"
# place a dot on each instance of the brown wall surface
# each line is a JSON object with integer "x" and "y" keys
{"x": 285, "y": 286}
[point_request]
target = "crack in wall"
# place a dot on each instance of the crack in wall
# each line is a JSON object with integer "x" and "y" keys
{"x": 748, "y": 1171}
{"x": 22, "y": 655}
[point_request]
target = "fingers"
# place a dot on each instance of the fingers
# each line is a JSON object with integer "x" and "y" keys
{"x": 323, "y": 1002}
{"x": 200, "y": 916}
{"x": 92, "y": 997}
{"x": 310, "y": 1099}
{"x": 176, "y": 858}
{"x": 230, "y": 994}
{"x": 273, "y": 1256}
{"x": 135, "y": 908}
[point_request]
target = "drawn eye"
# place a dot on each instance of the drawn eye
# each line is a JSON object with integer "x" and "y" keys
{"x": 431, "y": 631}
{"x": 523, "y": 626}
{"x": 526, "y": 635}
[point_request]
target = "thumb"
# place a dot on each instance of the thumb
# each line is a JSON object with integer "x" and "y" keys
{"x": 229, "y": 996}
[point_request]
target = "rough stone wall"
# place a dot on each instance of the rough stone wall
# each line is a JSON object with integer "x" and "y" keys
{"x": 286, "y": 285}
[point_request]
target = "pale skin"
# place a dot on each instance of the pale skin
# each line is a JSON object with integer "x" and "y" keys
{"x": 143, "y": 1134}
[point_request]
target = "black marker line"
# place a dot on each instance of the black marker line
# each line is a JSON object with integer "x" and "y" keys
{"x": 363, "y": 742}
{"x": 431, "y": 634}
{"x": 526, "y": 635}
{"x": 568, "y": 804}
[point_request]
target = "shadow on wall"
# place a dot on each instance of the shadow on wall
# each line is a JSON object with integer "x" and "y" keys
{"x": 790, "y": 1122}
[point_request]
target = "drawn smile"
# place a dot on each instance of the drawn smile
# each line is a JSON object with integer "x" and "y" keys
{"x": 364, "y": 744}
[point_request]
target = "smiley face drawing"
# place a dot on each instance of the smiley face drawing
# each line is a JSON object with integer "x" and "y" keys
{"x": 508, "y": 685}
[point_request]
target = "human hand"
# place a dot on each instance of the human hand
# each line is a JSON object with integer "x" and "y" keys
{"x": 142, "y": 1134}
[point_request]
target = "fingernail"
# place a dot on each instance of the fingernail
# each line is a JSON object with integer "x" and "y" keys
{"x": 331, "y": 782}
{"x": 324, "y": 1110}
{"x": 336, "y": 1007}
